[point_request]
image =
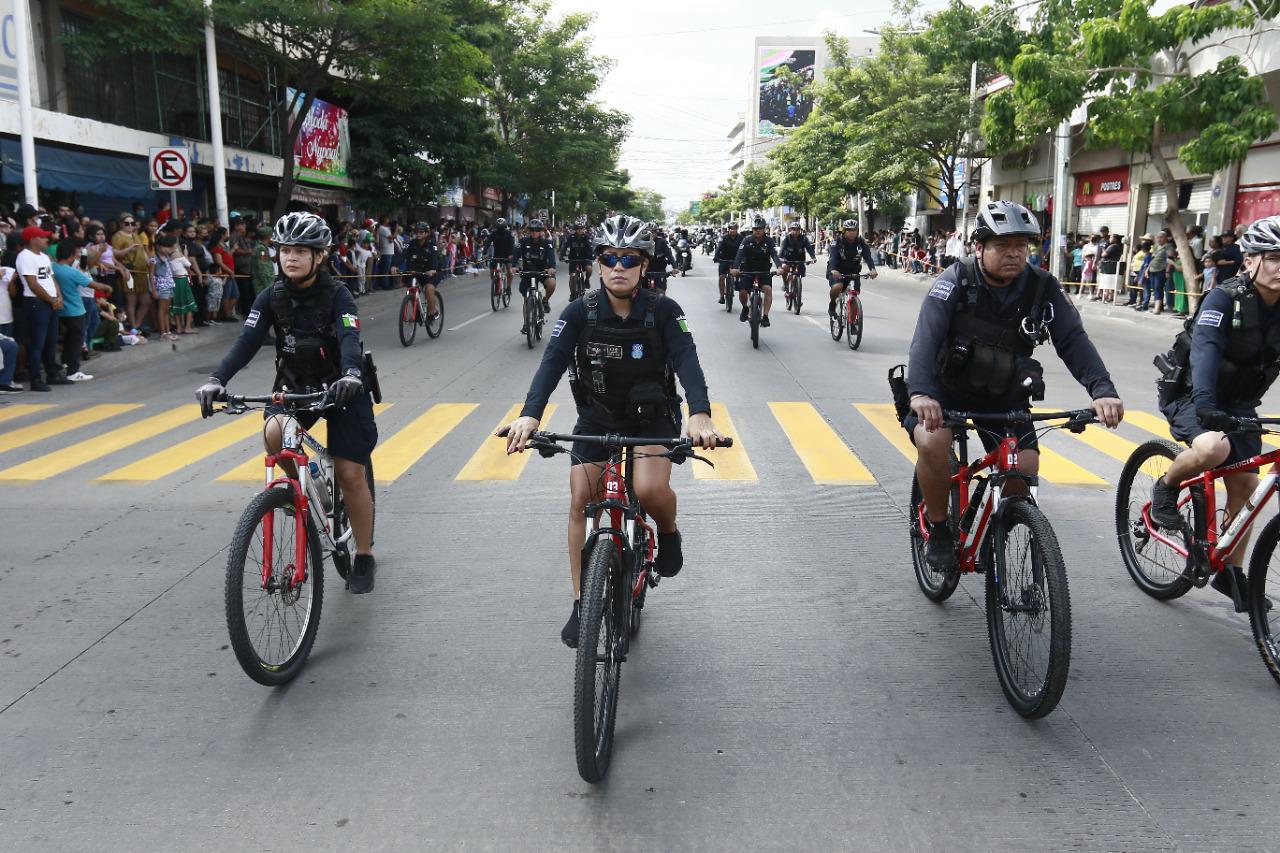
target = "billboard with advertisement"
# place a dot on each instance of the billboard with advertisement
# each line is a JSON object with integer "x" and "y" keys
{"x": 784, "y": 101}
{"x": 324, "y": 143}
{"x": 1103, "y": 187}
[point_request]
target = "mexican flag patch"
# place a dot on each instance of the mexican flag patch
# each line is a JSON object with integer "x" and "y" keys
{"x": 351, "y": 321}
{"x": 684, "y": 325}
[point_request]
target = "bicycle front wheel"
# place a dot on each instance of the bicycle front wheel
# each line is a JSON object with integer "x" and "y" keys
{"x": 408, "y": 319}
{"x": 836, "y": 319}
{"x": 798, "y": 287}
{"x": 1029, "y": 611}
{"x": 1157, "y": 569}
{"x": 506, "y": 290}
{"x": 272, "y": 630}
{"x": 755, "y": 319}
{"x": 598, "y": 670}
{"x": 1264, "y": 595}
{"x": 855, "y": 322}
{"x": 495, "y": 291}
{"x": 436, "y": 326}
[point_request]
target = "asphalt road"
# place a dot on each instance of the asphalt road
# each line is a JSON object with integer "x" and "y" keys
{"x": 791, "y": 690}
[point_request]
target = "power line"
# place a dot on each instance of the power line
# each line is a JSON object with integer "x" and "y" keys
{"x": 731, "y": 27}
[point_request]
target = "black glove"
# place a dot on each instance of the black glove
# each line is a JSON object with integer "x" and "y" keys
{"x": 345, "y": 390}
{"x": 208, "y": 394}
{"x": 1216, "y": 420}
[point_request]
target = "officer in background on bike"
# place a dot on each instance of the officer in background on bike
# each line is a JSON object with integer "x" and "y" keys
{"x": 753, "y": 257}
{"x": 845, "y": 257}
{"x": 662, "y": 258}
{"x": 317, "y": 335}
{"x": 422, "y": 259}
{"x": 536, "y": 255}
{"x": 579, "y": 251}
{"x": 726, "y": 251}
{"x": 623, "y": 347}
{"x": 978, "y": 327}
{"x": 1232, "y": 359}
{"x": 500, "y": 248}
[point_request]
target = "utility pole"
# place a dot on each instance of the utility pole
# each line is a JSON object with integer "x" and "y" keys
{"x": 1058, "y": 229}
{"x": 22, "y": 35}
{"x": 968, "y": 149}
{"x": 215, "y": 121}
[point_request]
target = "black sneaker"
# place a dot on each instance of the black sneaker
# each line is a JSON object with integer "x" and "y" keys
{"x": 10, "y": 388}
{"x": 524, "y": 330}
{"x": 39, "y": 386}
{"x": 362, "y": 571}
{"x": 670, "y": 558}
{"x": 1164, "y": 506}
{"x": 743, "y": 316}
{"x": 831, "y": 310}
{"x": 569, "y": 633}
{"x": 940, "y": 550}
{"x": 546, "y": 306}
{"x": 764, "y": 321}
{"x": 721, "y": 300}
{"x": 60, "y": 380}
{"x": 1222, "y": 583}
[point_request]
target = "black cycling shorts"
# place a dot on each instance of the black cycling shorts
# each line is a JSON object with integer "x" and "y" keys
{"x": 1185, "y": 427}
{"x": 352, "y": 431}
{"x": 744, "y": 280}
{"x": 591, "y": 452}
{"x": 797, "y": 267}
{"x": 1027, "y": 439}
{"x": 526, "y": 282}
{"x": 724, "y": 267}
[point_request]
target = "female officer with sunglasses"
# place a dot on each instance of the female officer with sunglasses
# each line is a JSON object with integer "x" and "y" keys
{"x": 623, "y": 347}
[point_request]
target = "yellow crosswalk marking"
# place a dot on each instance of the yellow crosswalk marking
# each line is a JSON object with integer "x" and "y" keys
{"x": 829, "y": 460}
{"x": 18, "y": 410}
{"x": 885, "y": 420}
{"x": 99, "y": 446}
{"x": 491, "y": 461}
{"x": 1150, "y": 423}
{"x": 1056, "y": 468}
{"x": 65, "y": 423}
{"x": 399, "y": 453}
{"x": 1100, "y": 438}
{"x": 182, "y": 454}
{"x": 732, "y": 463}
{"x": 252, "y": 471}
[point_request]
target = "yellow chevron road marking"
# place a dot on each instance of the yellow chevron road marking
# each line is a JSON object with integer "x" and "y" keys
{"x": 65, "y": 423}
{"x": 1102, "y": 439}
{"x": 166, "y": 462}
{"x": 491, "y": 461}
{"x": 1151, "y": 423}
{"x": 18, "y": 410}
{"x": 732, "y": 463}
{"x": 829, "y": 460}
{"x": 399, "y": 453}
{"x": 885, "y": 420}
{"x": 99, "y": 446}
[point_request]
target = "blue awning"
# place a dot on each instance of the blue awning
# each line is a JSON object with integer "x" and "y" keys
{"x": 78, "y": 171}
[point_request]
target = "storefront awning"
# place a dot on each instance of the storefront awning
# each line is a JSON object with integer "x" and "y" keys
{"x": 78, "y": 171}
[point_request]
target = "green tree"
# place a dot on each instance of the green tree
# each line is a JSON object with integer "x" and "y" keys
{"x": 806, "y": 164}
{"x": 647, "y": 205}
{"x": 752, "y": 189}
{"x": 1146, "y": 83}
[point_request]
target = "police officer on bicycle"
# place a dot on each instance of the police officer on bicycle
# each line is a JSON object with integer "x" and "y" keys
{"x": 424, "y": 263}
{"x": 753, "y": 257}
{"x": 978, "y": 327}
{"x": 793, "y": 249}
{"x": 1221, "y": 373}
{"x": 536, "y": 254}
{"x": 658, "y": 271}
{"x": 623, "y": 346}
{"x": 579, "y": 251}
{"x": 726, "y": 251}
{"x": 317, "y": 334}
{"x": 844, "y": 258}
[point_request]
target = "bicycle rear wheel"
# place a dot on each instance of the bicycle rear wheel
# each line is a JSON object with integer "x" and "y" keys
{"x": 754, "y": 318}
{"x": 436, "y": 326}
{"x": 272, "y": 630}
{"x": 506, "y": 289}
{"x": 1157, "y": 569}
{"x": 598, "y": 669}
{"x": 855, "y": 322}
{"x": 495, "y": 291}
{"x": 1029, "y": 610}
{"x": 408, "y": 319}
{"x": 786, "y": 288}
{"x": 1264, "y": 595}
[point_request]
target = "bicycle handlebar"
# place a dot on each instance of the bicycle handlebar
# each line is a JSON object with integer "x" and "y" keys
{"x": 239, "y": 402}
{"x": 615, "y": 441}
{"x": 1076, "y": 417}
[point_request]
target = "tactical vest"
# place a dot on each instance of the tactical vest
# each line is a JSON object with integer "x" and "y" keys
{"x": 307, "y": 351}
{"x": 849, "y": 258}
{"x": 794, "y": 250}
{"x": 622, "y": 372}
{"x": 988, "y": 356}
{"x": 756, "y": 258}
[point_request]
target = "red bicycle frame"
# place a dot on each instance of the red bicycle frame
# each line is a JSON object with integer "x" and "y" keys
{"x": 617, "y": 501}
{"x": 1004, "y": 460}
{"x": 1215, "y": 552}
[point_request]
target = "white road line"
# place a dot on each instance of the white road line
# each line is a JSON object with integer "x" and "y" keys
{"x": 816, "y": 323}
{"x": 469, "y": 322}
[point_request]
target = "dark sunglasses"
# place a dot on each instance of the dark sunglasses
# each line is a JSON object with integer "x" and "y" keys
{"x": 610, "y": 260}
{"x": 130, "y": 222}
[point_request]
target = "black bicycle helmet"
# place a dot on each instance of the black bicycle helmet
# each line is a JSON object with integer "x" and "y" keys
{"x": 302, "y": 229}
{"x": 536, "y": 225}
{"x": 624, "y": 232}
{"x": 1005, "y": 219}
{"x": 759, "y": 222}
{"x": 421, "y": 226}
{"x": 1261, "y": 236}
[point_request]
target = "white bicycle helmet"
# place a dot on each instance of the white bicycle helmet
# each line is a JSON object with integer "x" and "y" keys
{"x": 1005, "y": 219}
{"x": 1261, "y": 236}
{"x": 302, "y": 229}
{"x": 624, "y": 232}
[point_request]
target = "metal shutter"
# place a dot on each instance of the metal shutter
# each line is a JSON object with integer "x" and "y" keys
{"x": 1113, "y": 216}
{"x": 1201, "y": 194}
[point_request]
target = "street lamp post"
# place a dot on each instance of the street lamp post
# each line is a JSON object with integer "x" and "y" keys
{"x": 215, "y": 120}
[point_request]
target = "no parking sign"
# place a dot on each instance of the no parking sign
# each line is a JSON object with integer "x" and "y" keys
{"x": 170, "y": 168}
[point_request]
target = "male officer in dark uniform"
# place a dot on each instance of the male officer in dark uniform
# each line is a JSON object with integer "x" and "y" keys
{"x": 753, "y": 258}
{"x": 657, "y": 271}
{"x": 1234, "y": 357}
{"x": 422, "y": 258}
{"x": 317, "y": 333}
{"x": 579, "y": 250}
{"x": 978, "y": 326}
{"x": 726, "y": 251}
{"x": 623, "y": 346}
{"x": 500, "y": 249}
{"x": 793, "y": 249}
{"x": 845, "y": 257}
{"x": 535, "y": 254}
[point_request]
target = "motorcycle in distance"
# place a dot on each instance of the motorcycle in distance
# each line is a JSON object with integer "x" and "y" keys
{"x": 684, "y": 257}
{"x": 708, "y": 244}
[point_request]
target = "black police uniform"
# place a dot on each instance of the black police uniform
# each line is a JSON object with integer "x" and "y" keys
{"x": 727, "y": 250}
{"x": 621, "y": 369}
{"x": 578, "y": 249}
{"x": 793, "y": 250}
{"x": 317, "y": 331}
{"x": 503, "y": 243}
{"x": 534, "y": 256}
{"x": 1235, "y": 358}
{"x": 753, "y": 257}
{"x": 969, "y": 351}
{"x": 424, "y": 261}
{"x": 662, "y": 258}
{"x": 846, "y": 258}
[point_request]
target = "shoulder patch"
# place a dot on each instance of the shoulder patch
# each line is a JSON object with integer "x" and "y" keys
{"x": 942, "y": 289}
{"x": 251, "y": 319}
{"x": 351, "y": 321}
{"x": 1210, "y": 318}
{"x": 557, "y": 328}
{"x": 683, "y": 322}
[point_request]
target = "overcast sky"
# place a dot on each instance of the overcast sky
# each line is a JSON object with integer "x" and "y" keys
{"x": 682, "y": 72}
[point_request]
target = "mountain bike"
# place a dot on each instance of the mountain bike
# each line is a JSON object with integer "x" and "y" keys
{"x": 414, "y": 313}
{"x": 500, "y": 284}
{"x": 275, "y": 566}
{"x": 793, "y": 281}
{"x": 1007, "y": 538}
{"x": 617, "y": 572}
{"x": 579, "y": 278}
{"x": 657, "y": 280}
{"x": 755, "y": 303}
{"x": 1167, "y": 564}
{"x": 534, "y": 316}
{"x": 848, "y": 313}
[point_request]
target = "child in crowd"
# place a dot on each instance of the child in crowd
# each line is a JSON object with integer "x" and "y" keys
{"x": 182, "y": 310}
{"x": 162, "y": 282}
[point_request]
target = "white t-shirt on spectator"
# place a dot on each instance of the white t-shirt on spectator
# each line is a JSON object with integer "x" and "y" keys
{"x": 384, "y": 241}
{"x": 180, "y": 266}
{"x": 6, "y": 304}
{"x": 1090, "y": 250}
{"x": 36, "y": 264}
